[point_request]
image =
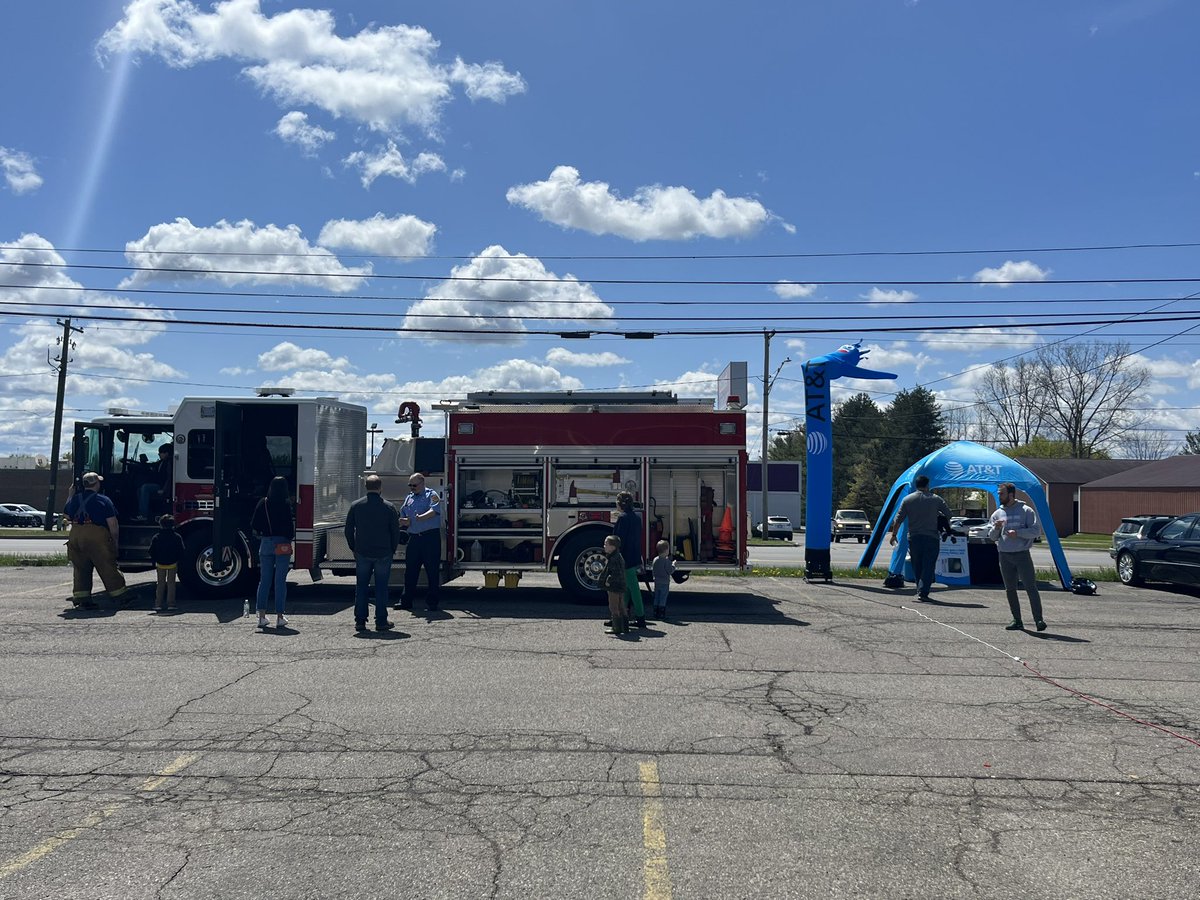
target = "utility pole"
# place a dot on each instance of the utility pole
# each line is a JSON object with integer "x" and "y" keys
{"x": 66, "y": 345}
{"x": 768, "y": 383}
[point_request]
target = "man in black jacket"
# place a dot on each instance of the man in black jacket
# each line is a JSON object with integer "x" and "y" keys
{"x": 373, "y": 533}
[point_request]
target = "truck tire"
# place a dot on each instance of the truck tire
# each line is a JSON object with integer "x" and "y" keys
{"x": 580, "y": 564}
{"x": 197, "y": 572}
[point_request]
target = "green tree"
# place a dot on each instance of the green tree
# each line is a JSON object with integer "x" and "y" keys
{"x": 1046, "y": 448}
{"x": 857, "y": 424}
{"x": 867, "y": 490}
{"x": 913, "y": 428}
{"x": 1191, "y": 444}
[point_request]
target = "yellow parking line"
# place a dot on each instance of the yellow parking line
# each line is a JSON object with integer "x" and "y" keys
{"x": 51, "y": 844}
{"x": 654, "y": 835}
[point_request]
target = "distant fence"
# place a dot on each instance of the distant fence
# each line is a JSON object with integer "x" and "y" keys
{"x": 32, "y": 485}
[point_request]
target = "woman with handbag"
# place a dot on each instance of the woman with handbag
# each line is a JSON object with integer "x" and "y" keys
{"x": 275, "y": 526}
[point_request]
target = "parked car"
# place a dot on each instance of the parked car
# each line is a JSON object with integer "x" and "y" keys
{"x": 1136, "y": 528}
{"x": 25, "y": 507}
{"x": 851, "y": 523}
{"x": 1172, "y": 554}
{"x": 13, "y": 515}
{"x": 962, "y": 525}
{"x": 777, "y": 527}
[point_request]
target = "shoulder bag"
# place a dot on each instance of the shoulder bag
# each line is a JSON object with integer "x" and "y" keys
{"x": 281, "y": 549}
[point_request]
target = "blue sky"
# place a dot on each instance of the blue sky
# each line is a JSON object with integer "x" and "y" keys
{"x": 593, "y": 157}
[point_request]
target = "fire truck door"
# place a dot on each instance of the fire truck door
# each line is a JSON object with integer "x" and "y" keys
{"x": 227, "y": 455}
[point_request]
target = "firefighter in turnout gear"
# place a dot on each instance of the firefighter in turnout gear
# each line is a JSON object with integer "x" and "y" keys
{"x": 92, "y": 544}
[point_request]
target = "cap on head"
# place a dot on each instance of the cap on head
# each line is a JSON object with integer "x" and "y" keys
{"x": 91, "y": 479}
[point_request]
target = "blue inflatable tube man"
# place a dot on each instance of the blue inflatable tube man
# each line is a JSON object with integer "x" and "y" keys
{"x": 818, "y": 420}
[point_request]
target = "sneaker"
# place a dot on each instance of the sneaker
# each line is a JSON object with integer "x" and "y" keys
{"x": 923, "y": 598}
{"x": 611, "y": 630}
{"x": 384, "y": 626}
{"x": 608, "y": 623}
{"x": 262, "y": 622}
{"x": 360, "y": 627}
{"x": 1041, "y": 626}
{"x": 1014, "y": 625}
{"x": 281, "y": 621}
{"x": 641, "y": 622}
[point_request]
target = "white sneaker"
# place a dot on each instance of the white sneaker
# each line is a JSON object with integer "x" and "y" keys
{"x": 281, "y": 622}
{"x": 263, "y": 623}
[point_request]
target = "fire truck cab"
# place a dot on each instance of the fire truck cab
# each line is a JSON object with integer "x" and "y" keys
{"x": 225, "y": 451}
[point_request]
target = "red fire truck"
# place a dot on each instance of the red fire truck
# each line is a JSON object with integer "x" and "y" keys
{"x": 529, "y": 481}
{"x": 224, "y": 453}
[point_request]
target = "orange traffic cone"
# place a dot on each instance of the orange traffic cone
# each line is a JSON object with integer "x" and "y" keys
{"x": 725, "y": 548}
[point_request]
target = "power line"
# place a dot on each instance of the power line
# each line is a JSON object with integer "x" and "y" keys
{"x": 505, "y": 279}
{"x": 836, "y": 254}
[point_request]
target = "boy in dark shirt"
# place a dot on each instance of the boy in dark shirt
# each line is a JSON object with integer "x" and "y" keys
{"x": 613, "y": 581}
{"x": 166, "y": 549}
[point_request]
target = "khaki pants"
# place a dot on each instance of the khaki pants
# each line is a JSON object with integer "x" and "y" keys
{"x": 91, "y": 547}
{"x": 166, "y": 584}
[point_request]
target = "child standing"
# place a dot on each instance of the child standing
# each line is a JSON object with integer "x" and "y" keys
{"x": 663, "y": 568}
{"x": 613, "y": 581}
{"x": 166, "y": 549}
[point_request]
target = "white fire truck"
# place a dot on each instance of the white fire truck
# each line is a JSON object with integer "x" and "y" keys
{"x": 529, "y": 481}
{"x": 225, "y": 451}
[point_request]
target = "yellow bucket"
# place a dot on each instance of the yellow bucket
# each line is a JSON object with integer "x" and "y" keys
{"x": 491, "y": 579}
{"x": 512, "y": 579}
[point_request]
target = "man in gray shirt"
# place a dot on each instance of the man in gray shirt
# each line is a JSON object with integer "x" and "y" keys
{"x": 921, "y": 510}
{"x": 1014, "y": 528}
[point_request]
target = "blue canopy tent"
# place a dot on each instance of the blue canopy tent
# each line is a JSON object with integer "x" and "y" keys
{"x": 965, "y": 464}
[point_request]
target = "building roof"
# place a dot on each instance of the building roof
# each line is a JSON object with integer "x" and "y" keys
{"x": 1176, "y": 472}
{"x": 1077, "y": 471}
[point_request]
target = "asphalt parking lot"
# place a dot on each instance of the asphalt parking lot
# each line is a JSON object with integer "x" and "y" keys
{"x": 770, "y": 739}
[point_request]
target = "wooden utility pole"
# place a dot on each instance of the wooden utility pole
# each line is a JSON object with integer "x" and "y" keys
{"x": 66, "y": 345}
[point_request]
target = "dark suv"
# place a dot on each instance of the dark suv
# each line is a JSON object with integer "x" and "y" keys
{"x": 1136, "y": 528}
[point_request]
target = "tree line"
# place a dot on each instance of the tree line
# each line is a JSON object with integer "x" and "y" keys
{"x": 1073, "y": 401}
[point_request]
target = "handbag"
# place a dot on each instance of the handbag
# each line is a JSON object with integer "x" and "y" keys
{"x": 282, "y": 549}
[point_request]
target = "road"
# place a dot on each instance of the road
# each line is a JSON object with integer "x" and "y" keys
{"x": 772, "y": 739}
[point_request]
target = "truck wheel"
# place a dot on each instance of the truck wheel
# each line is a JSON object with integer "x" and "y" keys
{"x": 580, "y": 565}
{"x": 198, "y": 571}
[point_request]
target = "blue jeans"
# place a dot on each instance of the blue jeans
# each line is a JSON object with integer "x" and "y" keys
{"x": 660, "y": 595}
{"x": 146, "y": 494}
{"x": 923, "y": 549}
{"x": 273, "y": 569}
{"x": 364, "y": 568}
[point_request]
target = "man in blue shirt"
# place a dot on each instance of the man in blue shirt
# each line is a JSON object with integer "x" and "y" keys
{"x": 92, "y": 544}
{"x": 421, "y": 514}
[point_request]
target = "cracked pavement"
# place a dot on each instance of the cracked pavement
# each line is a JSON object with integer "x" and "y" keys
{"x": 811, "y": 741}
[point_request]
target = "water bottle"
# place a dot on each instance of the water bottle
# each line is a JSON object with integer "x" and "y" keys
{"x": 476, "y": 552}
{"x": 246, "y": 608}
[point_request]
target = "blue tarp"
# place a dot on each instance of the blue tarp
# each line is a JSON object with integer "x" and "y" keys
{"x": 965, "y": 464}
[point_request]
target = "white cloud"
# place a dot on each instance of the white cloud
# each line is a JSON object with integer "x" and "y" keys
{"x": 898, "y": 354}
{"x": 287, "y": 355}
{"x": 390, "y": 161}
{"x": 398, "y": 236}
{"x": 236, "y": 370}
{"x": 1012, "y": 271}
{"x": 386, "y": 77}
{"x": 653, "y": 213}
{"x": 977, "y": 340}
{"x": 19, "y": 171}
{"x": 1168, "y": 368}
{"x": 508, "y": 285}
{"x": 294, "y": 128}
{"x": 697, "y": 383}
{"x": 317, "y": 371}
{"x": 236, "y": 254}
{"x": 796, "y": 349}
{"x": 561, "y": 356}
{"x": 878, "y": 296}
{"x": 103, "y": 356}
{"x": 791, "y": 290}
